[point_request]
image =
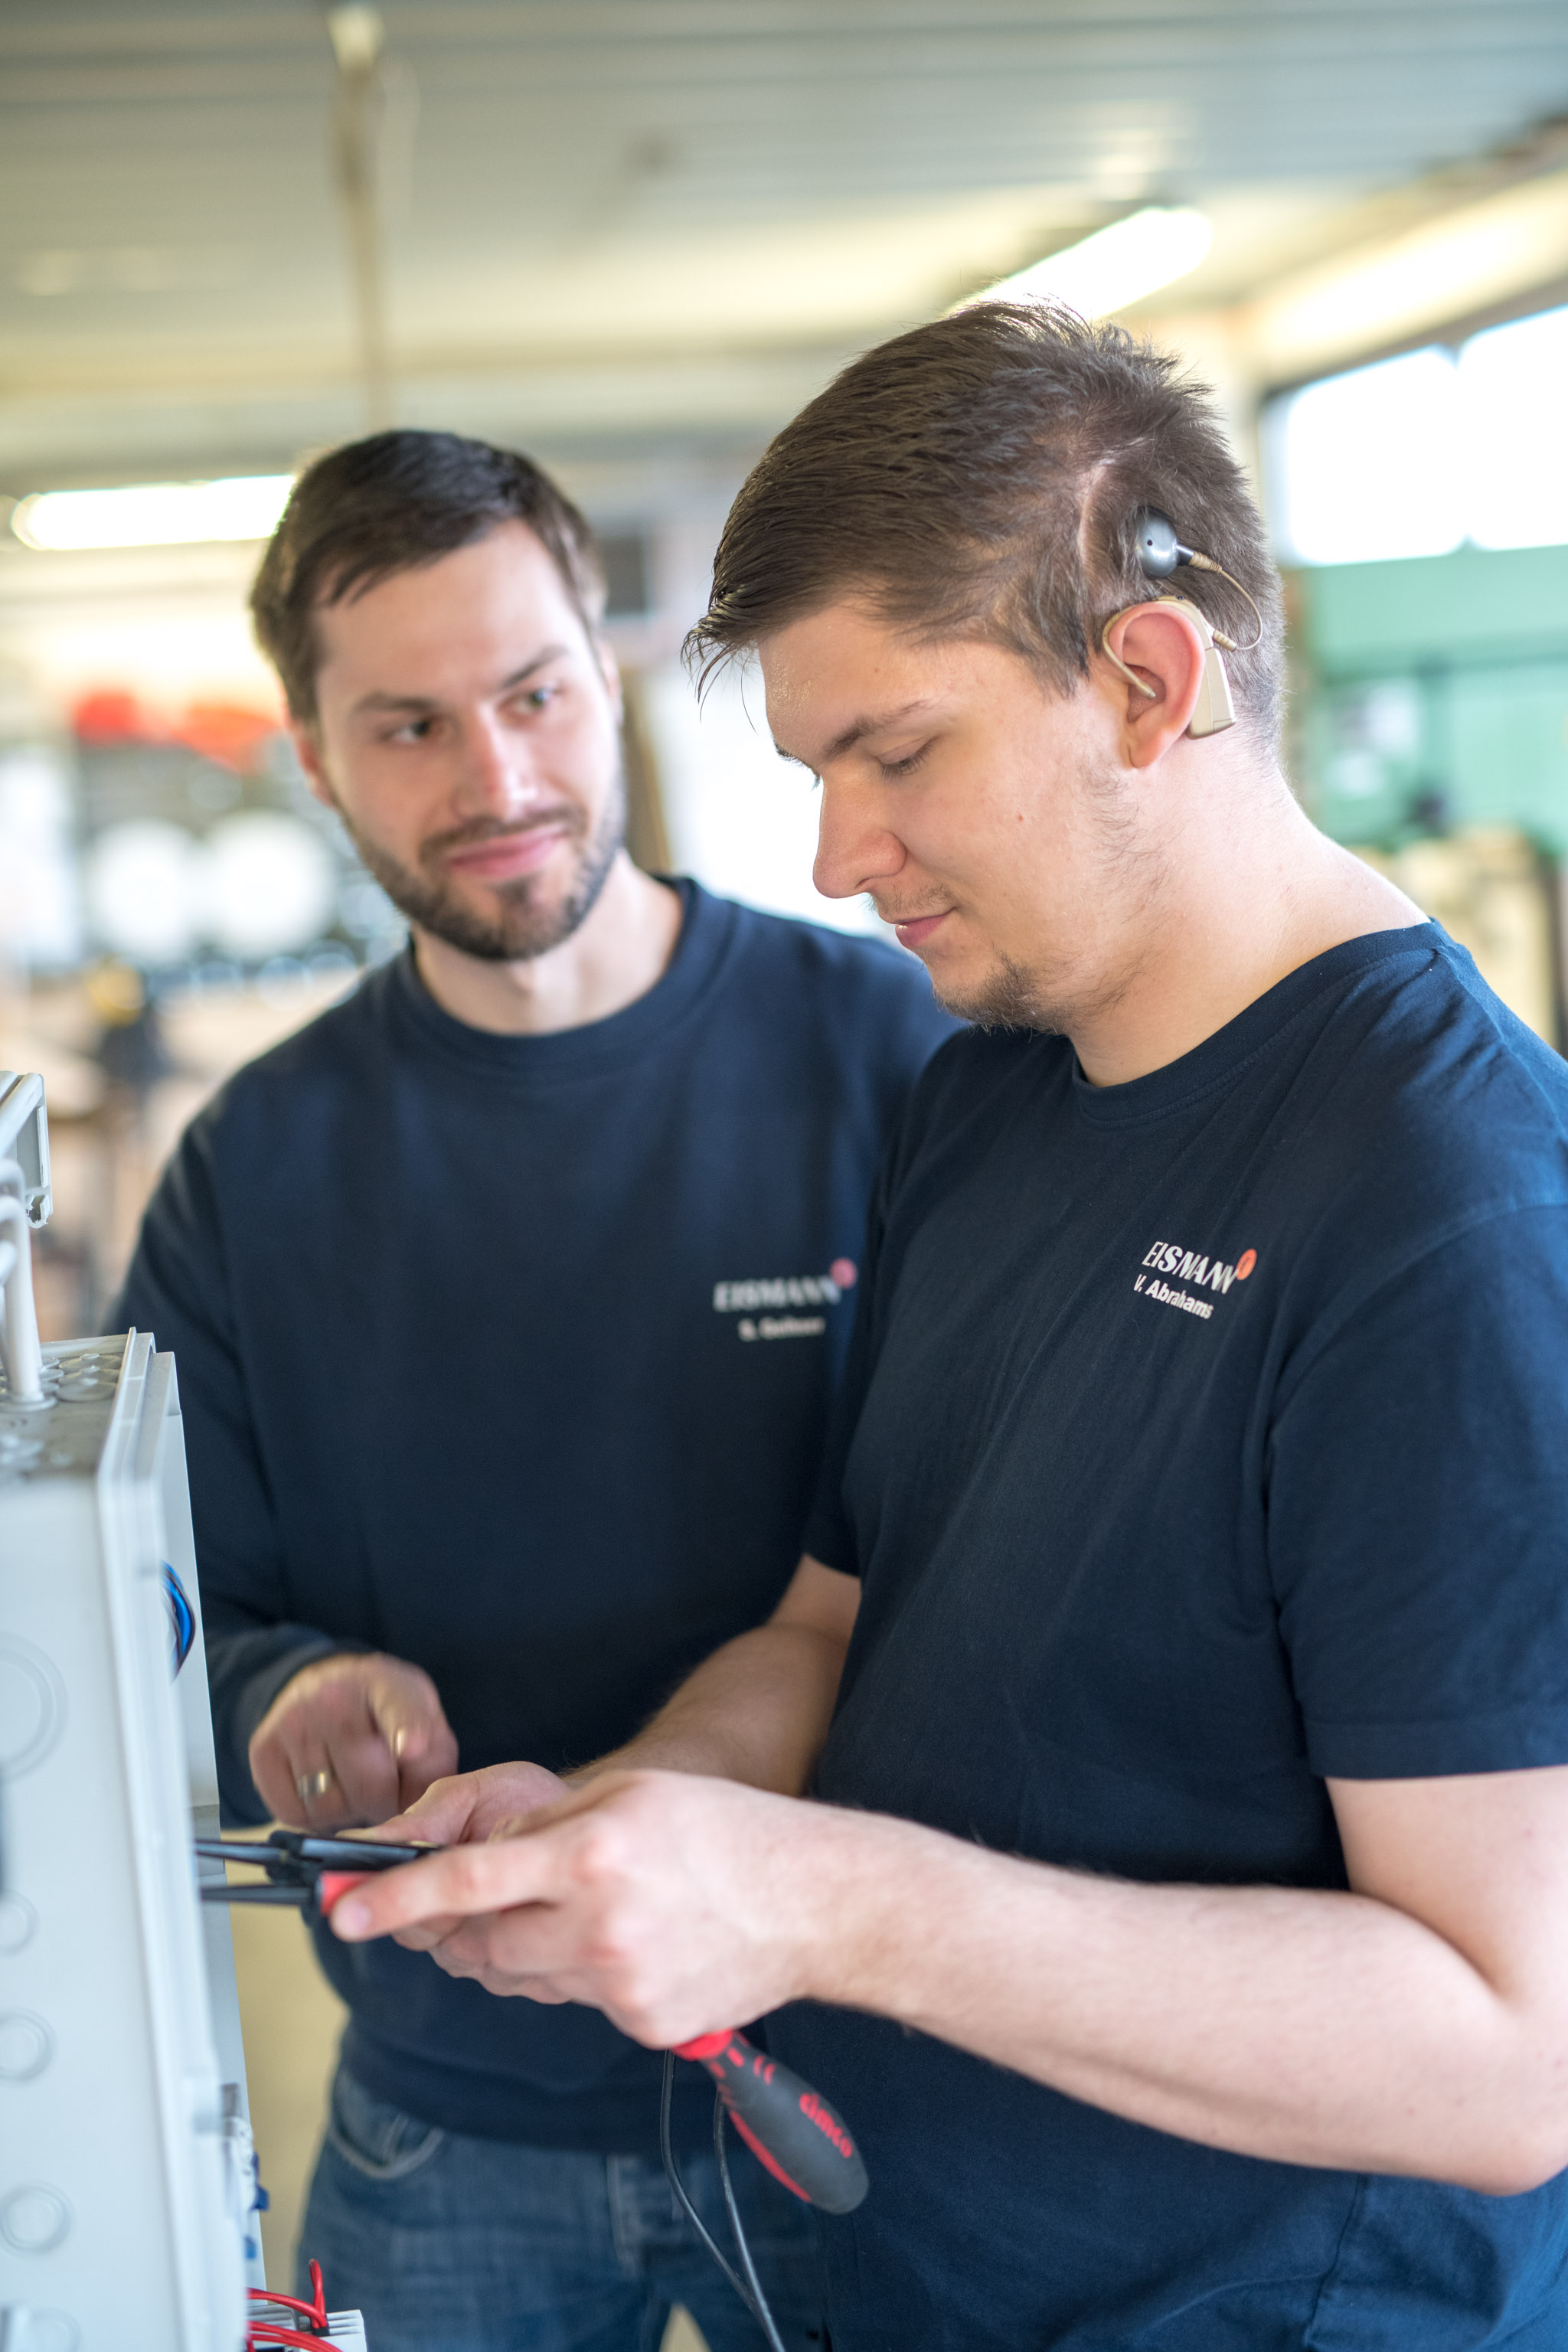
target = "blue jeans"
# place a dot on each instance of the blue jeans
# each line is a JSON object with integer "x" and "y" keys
{"x": 453, "y": 2244}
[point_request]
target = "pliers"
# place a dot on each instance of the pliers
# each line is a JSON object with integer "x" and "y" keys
{"x": 307, "y": 1873}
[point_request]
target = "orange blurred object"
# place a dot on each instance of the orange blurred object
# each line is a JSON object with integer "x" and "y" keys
{"x": 227, "y": 732}
{"x": 231, "y": 734}
{"x": 111, "y": 714}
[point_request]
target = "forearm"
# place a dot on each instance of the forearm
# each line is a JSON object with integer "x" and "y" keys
{"x": 757, "y": 1711}
{"x": 1310, "y": 2028}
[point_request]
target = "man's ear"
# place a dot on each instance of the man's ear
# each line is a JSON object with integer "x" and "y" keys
{"x": 308, "y": 752}
{"x": 1162, "y": 645}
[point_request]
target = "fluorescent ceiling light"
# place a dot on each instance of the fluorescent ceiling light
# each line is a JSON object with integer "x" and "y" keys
{"x": 1364, "y": 464}
{"x": 1116, "y": 266}
{"x": 153, "y": 514}
{"x": 357, "y": 37}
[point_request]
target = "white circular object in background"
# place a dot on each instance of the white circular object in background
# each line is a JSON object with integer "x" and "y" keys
{"x": 32, "y": 1705}
{"x": 141, "y": 886}
{"x": 35, "y": 2217}
{"x": 52, "y": 2331}
{"x": 26, "y": 2045}
{"x": 18, "y": 1923}
{"x": 267, "y": 886}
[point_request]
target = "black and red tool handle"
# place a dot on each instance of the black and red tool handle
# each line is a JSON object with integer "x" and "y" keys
{"x": 787, "y": 2125}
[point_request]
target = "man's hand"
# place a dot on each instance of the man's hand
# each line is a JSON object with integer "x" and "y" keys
{"x": 495, "y": 1802}
{"x": 350, "y": 1739}
{"x": 1416, "y": 2023}
{"x": 676, "y": 1904}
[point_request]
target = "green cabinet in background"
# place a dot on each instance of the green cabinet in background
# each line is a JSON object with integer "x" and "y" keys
{"x": 1432, "y": 696}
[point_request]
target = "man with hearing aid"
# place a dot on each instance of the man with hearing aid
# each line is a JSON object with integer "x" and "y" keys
{"x": 1145, "y": 1815}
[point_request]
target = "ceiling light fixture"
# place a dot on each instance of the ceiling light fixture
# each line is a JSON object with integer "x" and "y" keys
{"x": 1115, "y": 266}
{"x": 153, "y": 514}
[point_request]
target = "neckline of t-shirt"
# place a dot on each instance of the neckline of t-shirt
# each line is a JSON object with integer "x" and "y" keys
{"x": 1221, "y": 1058}
{"x": 621, "y": 1039}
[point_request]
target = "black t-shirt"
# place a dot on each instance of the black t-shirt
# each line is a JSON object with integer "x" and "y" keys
{"x": 1202, "y": 1437}
{"x": 510, "y": 1356}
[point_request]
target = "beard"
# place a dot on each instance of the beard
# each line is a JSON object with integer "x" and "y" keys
{"x": 1008, "y": 997}
{"x": 524, "y": 924}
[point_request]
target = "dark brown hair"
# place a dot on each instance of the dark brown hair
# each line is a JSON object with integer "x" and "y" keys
{"x": 980, "y": 477}
{"x": 385, "y": 505}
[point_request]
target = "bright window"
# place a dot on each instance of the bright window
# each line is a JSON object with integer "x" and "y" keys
{"x": 1363, "y": 465}
{"x": 1513, "y": 400}
{"x": 1414, "y": 455}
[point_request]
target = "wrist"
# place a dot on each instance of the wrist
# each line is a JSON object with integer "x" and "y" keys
{"x": 902, "y": 1920}
{"x": 846, "y": 1890}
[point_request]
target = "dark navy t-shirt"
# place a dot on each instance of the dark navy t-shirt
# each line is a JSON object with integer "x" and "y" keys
{"x": 1202, "y": 1437}
{"x": 510, "y": 1356}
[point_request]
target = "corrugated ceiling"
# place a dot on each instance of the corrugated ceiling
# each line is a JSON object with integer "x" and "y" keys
{"x": 608, "y": 219}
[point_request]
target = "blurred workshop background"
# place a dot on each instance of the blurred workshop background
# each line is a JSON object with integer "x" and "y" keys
{"x": 632, "y": 238}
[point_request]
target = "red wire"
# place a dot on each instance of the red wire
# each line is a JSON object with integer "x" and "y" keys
{"x": 275, "y": 2331}
{"x": 312, "y": 2311}
{"x": 264, "y": 2332}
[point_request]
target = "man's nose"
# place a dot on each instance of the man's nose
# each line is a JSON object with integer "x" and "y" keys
{"x": 494, "y": 776}
{"x": 855, "y": 848}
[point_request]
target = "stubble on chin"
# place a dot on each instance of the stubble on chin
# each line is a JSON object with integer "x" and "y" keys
{"x": 519, "y": 925}
{"x": 1012, "y": 996}
{"x": 1008, "y": 997}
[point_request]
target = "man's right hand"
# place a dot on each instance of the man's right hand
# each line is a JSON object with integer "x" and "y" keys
{"x": 348, "y": 1740}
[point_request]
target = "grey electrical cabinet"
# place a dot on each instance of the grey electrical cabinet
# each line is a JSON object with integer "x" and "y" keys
{"x": 127, "y": 2182}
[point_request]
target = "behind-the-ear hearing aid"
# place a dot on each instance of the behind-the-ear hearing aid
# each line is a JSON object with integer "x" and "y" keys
{"x": 1159, "y": 553}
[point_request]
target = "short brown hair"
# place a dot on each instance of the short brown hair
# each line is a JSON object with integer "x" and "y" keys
{"x": 390, "y": 503}
{"x": 980, "y": 477}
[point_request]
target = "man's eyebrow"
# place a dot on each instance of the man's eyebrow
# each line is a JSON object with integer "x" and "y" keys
{"x": 871, "y": 723}
{"x": 424, "y": 702}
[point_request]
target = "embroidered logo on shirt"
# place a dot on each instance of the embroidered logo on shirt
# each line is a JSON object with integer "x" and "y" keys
{"x": 784, "y": 1290}
{"x": 1214, "y": 1274}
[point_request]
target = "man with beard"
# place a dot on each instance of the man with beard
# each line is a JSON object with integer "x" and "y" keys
{"x": 507, "y": 1298}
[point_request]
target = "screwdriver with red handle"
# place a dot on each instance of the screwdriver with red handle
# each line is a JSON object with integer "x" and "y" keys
{"x": 787, "y": 2125}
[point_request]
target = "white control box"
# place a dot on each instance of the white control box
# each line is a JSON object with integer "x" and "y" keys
{"x": 126, "y": 2178}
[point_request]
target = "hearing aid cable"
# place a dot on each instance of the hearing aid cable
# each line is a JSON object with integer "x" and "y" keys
{"x": 1201, "y": 562}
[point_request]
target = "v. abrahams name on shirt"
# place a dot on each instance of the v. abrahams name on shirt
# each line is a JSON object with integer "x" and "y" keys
{"x": 1190, "y": 1265}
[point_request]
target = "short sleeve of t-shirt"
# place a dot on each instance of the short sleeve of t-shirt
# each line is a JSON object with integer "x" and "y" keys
{"x": 1418, "y": 1513}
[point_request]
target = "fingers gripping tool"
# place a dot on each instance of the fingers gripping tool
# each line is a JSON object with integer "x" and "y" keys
{"x": 789, "y": 2127}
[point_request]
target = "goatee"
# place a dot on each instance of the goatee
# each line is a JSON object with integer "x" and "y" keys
{"x": 521, "y": 927}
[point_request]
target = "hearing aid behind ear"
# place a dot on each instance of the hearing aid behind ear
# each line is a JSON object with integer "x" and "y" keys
{"x": 1160, "y": 554}
{"x": 1214, "y": 710}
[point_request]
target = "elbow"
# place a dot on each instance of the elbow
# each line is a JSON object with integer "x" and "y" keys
{"x": 1516, "y": 2172}
{"x": 1519, "y": 2159}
